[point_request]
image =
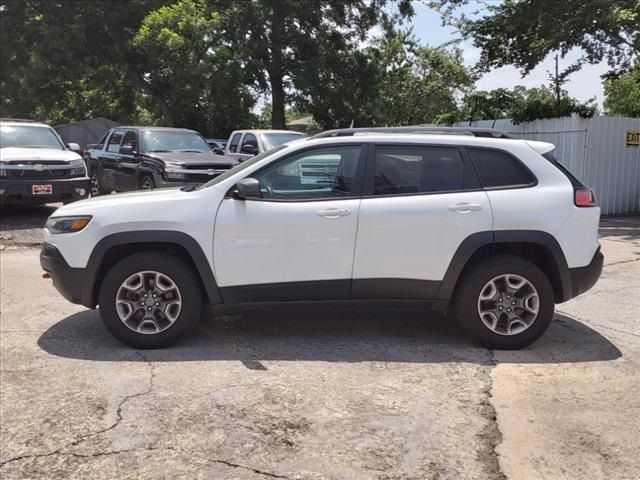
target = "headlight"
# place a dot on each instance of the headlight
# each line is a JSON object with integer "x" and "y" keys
{"x": 67, "y": 224}
{"x": 78, "y": 168}
{"x": 170, "y": 172}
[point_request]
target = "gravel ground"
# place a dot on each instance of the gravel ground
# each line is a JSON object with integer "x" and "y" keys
{"x": 321, "y": 392}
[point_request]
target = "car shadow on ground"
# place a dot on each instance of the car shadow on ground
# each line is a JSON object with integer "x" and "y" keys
{"x": 16, "y": 217}
{"x": 339, "y": 334}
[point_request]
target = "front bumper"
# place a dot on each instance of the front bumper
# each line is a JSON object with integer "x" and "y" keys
{"x": 583, "y": 278}
{"x": 15, "y": 191}
{"x": 67, "y": 280}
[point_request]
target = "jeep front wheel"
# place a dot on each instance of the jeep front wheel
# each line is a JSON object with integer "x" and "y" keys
{"x": 150, "y": 300}
{"x": 505, "y": 302}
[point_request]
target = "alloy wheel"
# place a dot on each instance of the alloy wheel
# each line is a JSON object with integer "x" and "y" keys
{"x": 148, "y": 302}
{"x": 508, "y": 304}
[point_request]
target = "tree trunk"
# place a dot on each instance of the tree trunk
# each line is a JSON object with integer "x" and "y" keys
{"x": 276, "y": 72}
{"x": 157, "y": 98}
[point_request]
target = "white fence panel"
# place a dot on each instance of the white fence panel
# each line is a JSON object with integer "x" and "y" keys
{"x": 593, "y": 149}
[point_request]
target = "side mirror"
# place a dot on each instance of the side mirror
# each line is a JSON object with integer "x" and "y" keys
{"x": 73, "y": 147}
{"x": 249, "y": 149}
{"x": 126, "y": 150}
{"x": 248, "y": 188}
{"x": 218, "y": 151}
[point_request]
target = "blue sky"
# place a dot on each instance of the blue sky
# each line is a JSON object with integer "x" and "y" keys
{"x": 584, "y": 84}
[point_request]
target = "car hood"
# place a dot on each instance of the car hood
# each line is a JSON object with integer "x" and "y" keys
{"x": 193, "y": 158}
{"x": 45, "y": 154}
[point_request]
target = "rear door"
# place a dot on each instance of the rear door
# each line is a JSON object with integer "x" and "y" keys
{"x": 420, "y": 202}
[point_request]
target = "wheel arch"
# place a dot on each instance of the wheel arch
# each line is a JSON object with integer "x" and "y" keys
{"x": 115, "y": 247}
{"x": 536, "y": 246}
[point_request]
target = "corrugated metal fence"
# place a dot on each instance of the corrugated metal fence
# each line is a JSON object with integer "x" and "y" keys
{"x": 594, "y": 150}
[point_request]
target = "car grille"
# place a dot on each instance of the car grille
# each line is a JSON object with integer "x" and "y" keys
{"x": 204, "y": 172}
{"x": 43, "y": 173}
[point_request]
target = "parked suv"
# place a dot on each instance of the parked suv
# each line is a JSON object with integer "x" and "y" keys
{"x": 487, "y": 226}
{"x": 144, "y": 158}
{"x": 36, "y": 167}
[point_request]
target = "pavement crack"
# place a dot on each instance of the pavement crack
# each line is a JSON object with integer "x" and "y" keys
{"x": 490, "y": 436}
{"x": 83, "y": 438}
{"x": 250, "y": 469}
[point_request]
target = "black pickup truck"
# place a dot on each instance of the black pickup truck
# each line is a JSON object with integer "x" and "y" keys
{"x": 136, "y": 158}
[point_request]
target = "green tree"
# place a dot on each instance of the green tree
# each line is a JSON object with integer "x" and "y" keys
{"x": 283, "y": 41}
{"x": 523, "y": 33}
{"x": 406, "y": 84}
{"x": 622, "y": 94}
{"x": 179, "y": 52}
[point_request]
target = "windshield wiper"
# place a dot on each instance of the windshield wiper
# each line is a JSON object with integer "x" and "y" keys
{"x": 159, "y": 151}
{"x": 191, "y": 151}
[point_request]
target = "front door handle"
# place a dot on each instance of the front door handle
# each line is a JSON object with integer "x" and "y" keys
{"x": 334, "y": 212}
{"x": 465, "y": 207}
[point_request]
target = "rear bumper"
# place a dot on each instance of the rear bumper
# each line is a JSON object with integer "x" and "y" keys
{"x": 14, "y": 191}
{"x": 583, "y": 278}
{"x": 67, "y": 280}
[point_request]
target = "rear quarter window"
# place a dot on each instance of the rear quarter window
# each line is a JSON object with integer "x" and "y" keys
{"x": 498, "y": 169}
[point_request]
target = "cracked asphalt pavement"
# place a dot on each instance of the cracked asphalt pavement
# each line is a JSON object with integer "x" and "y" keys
{"x": 321, "y": 392}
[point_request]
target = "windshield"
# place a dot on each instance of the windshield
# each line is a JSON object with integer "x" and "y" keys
{"x": 272, "y": 140}
{"x": 24, "y": 136}
{"x": 241, "y": 166}
{"x": 158, "y": 141}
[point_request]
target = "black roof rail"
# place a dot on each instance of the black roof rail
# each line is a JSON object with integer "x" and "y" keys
{"x": 470, "y": 131}
{"x": 22, "y": 120}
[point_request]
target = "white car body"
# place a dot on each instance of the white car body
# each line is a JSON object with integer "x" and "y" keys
{"x": 297, "y": 224}
{"x": 233, "y": 231}
{"x": 62, "y": 169}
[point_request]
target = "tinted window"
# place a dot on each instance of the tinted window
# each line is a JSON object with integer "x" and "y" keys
{"x": 114, "y": 141}
{"x": 318, "y": 173}
{"x": 499, "y": 169}
{"x": 130, "y": 138}
{"x": 401, "y": 170}
{"x": 235, "y": 140}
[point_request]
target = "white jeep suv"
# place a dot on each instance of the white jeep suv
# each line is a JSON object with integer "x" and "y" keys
{"x": 493, "y": 227}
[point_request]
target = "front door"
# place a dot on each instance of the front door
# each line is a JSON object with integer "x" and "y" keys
{"x": 108, "y": 161}
{"x": 419, "y": 204}
{"x": 297, "y": 241}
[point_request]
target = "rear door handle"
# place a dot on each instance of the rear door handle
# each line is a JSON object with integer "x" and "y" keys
{"x": 334, "y": 212}
{"x": 465, "y": 207}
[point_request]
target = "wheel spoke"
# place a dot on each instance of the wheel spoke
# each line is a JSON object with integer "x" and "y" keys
{"x": 508, "y": 304}
{"x": 148, "y": 302}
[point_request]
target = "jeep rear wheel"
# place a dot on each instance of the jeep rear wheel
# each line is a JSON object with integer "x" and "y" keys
{"x": 505, "y": 302}
{"x": 150, "y": 300}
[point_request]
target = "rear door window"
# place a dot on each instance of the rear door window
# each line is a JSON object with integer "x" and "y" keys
{"x": 235, "y": 141}
{"x": 416, "y": 169}
{"x": 498, "y": 169}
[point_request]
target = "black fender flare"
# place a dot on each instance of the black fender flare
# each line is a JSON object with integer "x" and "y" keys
{"x": 478, "y": 240}
{"x": 190, "y": 245}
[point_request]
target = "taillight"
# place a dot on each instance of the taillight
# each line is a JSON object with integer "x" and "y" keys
{"x": 585, "y": 197}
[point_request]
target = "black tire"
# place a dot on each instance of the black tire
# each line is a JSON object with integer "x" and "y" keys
{"x": 96, "y": 186}
{"x": 181, "y": 274}
{"x": 471, "y": 286}
{"x": 146, "y": 182}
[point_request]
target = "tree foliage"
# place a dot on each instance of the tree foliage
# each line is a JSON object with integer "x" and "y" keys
{"x": 519, "y": 104}
{"x": 523, "y": 33}
{"x": 622, "y": 94}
